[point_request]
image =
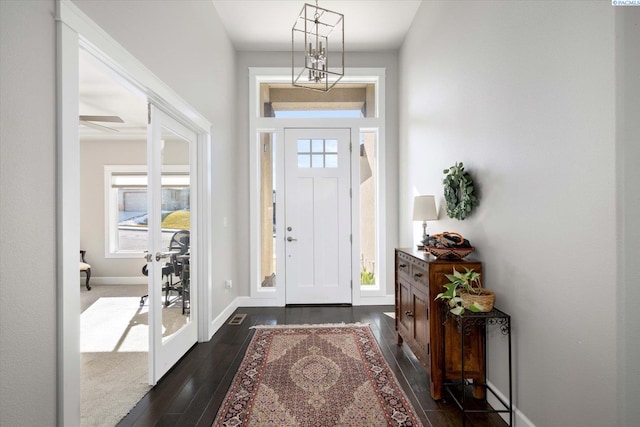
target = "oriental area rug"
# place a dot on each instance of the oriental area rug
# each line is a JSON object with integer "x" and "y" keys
{"x": 315, "y": 375}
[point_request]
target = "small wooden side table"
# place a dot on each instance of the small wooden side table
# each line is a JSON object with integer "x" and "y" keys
{"x": 456, "y": 389}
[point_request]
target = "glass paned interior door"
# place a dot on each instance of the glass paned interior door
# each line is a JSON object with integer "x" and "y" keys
{"x": 172, "y": 286}
{"x": 176, "y": 232}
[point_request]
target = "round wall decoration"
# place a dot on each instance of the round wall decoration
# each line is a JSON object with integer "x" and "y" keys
{"x": 458, "y": 192}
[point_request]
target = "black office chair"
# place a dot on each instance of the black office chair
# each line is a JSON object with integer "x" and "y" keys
{"x": 179, "y": 244}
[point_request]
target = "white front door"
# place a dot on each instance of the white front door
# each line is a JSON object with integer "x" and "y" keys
{"x": 172, "y": 242}
{"x": 317, "y": 216}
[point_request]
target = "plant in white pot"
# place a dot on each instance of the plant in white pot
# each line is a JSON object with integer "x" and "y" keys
{"x": 465, "y": 291}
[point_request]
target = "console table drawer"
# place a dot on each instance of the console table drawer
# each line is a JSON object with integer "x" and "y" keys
{"x": 403, "y": 267}
{"x": 419, "y": 276}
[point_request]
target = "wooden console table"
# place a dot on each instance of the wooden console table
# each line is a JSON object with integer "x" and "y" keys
{"x": 420, "y": 321}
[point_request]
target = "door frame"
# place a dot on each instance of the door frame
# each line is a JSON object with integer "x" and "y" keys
{"x": 75, "y": 30}
{"x": 269, "y": 296}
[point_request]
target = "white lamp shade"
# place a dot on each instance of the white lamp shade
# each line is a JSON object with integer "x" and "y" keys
{"x": 424, "y": 208}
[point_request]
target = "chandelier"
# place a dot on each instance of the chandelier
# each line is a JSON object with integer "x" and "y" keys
{"x": 318, "y": 34}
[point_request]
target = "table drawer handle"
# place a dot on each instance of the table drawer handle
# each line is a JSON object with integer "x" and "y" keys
{"x": 409, "y": 313}
{"x": 417, "y": 276}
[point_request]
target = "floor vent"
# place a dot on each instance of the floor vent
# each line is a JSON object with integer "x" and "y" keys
{"x": 237, "y": 319}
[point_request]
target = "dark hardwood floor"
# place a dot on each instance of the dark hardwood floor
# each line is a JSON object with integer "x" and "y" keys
{"x": 191, "y": 393}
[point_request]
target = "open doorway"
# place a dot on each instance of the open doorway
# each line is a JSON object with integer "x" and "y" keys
{"x": 114, "y": 343}
{"x": 76, "y": 31}
{"x": 117, "y": 226}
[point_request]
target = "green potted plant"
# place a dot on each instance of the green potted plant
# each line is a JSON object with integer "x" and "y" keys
{"x": 465, "y": 291}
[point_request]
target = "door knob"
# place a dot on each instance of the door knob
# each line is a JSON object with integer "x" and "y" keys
{"x": 291, "y": 239}
{"x": 162, "y": 255}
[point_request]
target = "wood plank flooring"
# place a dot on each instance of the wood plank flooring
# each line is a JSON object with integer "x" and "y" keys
{"x": 191, "y": 393}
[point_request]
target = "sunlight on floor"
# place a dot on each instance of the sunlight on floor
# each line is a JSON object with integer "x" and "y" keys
{"x": 115, "y": 324}
{"x": 119, "y": 324}
{"x": 391, "y": 314}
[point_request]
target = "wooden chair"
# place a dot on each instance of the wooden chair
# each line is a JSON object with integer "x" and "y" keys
{"x": 86, "y": 268}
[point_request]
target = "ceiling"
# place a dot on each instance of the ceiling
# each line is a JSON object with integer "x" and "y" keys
{"x": 103, "y": 93}
{"x": 252, "y": 25}
{"x": 265, "y": 25}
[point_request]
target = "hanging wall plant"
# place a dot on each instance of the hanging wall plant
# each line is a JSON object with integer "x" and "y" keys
{"x": 458, "y": 192}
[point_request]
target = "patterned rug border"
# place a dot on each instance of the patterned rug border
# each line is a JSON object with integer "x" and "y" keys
{"x": 311, "y": 326}
{"x": 405, "y": 397}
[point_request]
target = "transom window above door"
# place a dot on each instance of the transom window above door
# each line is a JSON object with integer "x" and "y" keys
{"x": 354, "y": 100}
{"x": 317, "y": 153}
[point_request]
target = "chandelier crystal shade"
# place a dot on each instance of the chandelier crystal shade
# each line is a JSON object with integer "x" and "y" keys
{"x": 317, "y": 48}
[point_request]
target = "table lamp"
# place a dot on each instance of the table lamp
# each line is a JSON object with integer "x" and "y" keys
{"x": 424, "y": 209}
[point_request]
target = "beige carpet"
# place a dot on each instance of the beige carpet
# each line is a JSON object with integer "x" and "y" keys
{"x": 111, "y": 384}
{"x": 114, "y": 344}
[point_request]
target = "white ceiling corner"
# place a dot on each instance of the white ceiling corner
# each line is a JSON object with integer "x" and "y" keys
{"x": 265, "y": 25}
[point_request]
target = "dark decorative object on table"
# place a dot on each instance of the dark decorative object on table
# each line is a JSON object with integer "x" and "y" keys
{"x": 447, "y": 245}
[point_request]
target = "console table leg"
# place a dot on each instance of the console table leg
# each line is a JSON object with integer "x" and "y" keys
{"x": 479, "y": 391}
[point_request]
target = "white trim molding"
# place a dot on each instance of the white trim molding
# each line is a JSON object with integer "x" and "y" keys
{"x": 519, "y": 419}
{"x": 99, "y": 43}
{"x": 257, "y": 124}
{"x": 119, "y": 281}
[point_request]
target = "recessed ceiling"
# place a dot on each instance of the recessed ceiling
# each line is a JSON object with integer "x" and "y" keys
{"x": 265, "y": 25}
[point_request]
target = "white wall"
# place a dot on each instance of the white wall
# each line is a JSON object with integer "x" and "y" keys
{"x": 387, "y": 60}
{"x": 184, "y": 44}
{"x": 94, "y": 155}
{"x": 523, "y": 94}
{"x": 628, "y": 204}
{"x": 28, "y": 214}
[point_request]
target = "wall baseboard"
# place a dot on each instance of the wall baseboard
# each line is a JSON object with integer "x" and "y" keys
{"x": 218, "y": 322}
{"x": 377, "y": 300}
{"x": 519, "y": 419}
{"x": 257, "y": 302}
{"x": 115, "y": 280}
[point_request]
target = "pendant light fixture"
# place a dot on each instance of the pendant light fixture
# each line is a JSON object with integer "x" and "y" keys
{"x": 317, "y": 48}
